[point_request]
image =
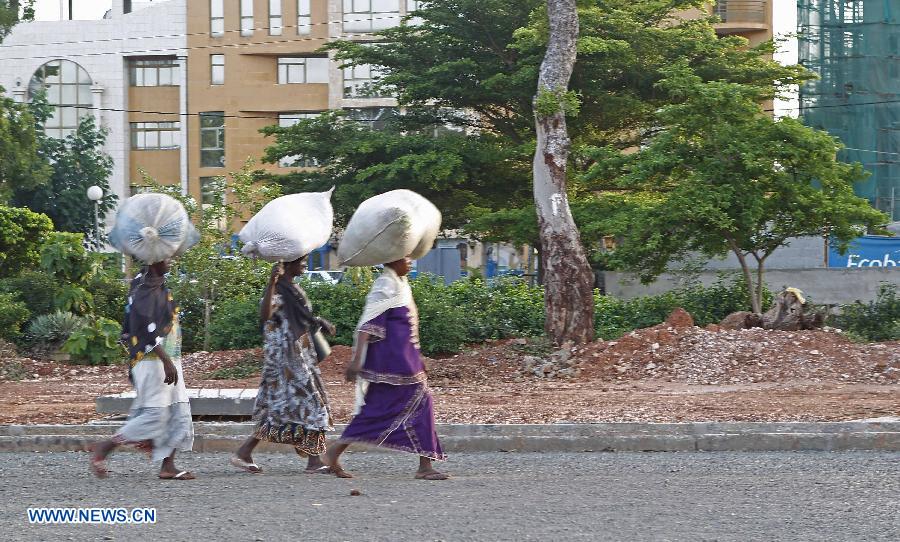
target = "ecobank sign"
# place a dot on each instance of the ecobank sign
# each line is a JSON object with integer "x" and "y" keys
{"x": 868, "y": 252}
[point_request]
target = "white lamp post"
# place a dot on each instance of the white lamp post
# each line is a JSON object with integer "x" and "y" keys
{"x": 95, "y": 194}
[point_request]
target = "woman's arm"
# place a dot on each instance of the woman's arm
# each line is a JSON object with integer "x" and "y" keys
{"x": 359, "y": 356}
{"x": 265, "y": 311}
{"x": 168, "y": 366}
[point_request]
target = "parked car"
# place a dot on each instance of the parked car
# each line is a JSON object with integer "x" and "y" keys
{"x": 323, "y": 277}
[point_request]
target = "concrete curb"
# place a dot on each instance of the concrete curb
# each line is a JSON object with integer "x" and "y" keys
{"x": 872, "y": 435}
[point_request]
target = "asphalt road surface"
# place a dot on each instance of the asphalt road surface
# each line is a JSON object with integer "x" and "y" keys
{"x": 547, "y": 497}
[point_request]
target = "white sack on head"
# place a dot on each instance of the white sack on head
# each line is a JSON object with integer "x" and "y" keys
{"x": 289, "y": 227}
{"x": 389, "y": 227}
{"x": 153, "y": 228}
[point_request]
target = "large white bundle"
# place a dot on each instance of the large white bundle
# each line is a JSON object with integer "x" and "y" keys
{"x": 389, "y": 227}
{"x": 289, "y": 227}
{"x": 153, "y": 228}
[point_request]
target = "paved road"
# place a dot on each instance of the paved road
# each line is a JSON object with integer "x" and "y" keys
{"x": 547, "y": 497}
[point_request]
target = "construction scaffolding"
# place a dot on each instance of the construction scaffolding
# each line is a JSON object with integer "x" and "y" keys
{"x": 854, "y": 47}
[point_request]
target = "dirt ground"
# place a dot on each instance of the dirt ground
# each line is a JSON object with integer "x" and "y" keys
{"x": 668, "y": 373}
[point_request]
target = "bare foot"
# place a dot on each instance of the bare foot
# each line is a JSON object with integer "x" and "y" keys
{"x": 334, "y": 467}
{"x": 431, "y": 474}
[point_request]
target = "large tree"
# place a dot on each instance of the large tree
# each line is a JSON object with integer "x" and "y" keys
{"x": 22, "y": 163}
{"x": 568, "y": 281}
{"x": 469, "y": 68}
{"x": 12, "y": 12}
{"x": 78, "y": 162}
{"x": 722, "y": 176}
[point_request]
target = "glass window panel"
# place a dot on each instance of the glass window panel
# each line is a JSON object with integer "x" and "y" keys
{"x": 55, "y": 117}
{"x": 274, "y": 7}
{"x": 386, "y": 6}
{"x": 295, "y": 74}
{"x": 166, "y": 139}
{"x": 83, "y": 76}
{"x": 152, "y": 139}
{"x": 282, "y": 74}
{"x": 51, "y": 72}
{"x": 304, "y": 25}
{"x": 275, "y": 26}
{"x": 246, "y": 26}
{"x": 150, "y": 77}
{"x": 218, "y": 75}
{"x": 165, "y": 76}
{"x": 212, "y": 158}
{"x": 362, "y": 5}
{"x": 217, "y": 8}
{"x": 66, "y": 133}
{"x": 69, "y": 117}
{"x": 217, "y": 27}
{"x": 246, "y": 8}
{"x": 69, "y": 94}
{"x": 69, "y": 71}
{"x": 209, "y": 139}
{"x": 212, "y": 119}
{"x": 303, "y": 7}
{"x": 84, "y": 95}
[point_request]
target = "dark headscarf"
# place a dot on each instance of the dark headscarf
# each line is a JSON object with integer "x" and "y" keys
{"x": 295, "y": 308}
{"x": 148, "y": 315}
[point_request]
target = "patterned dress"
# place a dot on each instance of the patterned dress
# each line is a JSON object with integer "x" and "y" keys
{"x": 291, "y": 405}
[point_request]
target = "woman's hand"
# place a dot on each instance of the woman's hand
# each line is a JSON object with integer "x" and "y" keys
{"x": 351, "y": 373}
{"x": 277, "y": 272}
{"x": 171, "y": 372}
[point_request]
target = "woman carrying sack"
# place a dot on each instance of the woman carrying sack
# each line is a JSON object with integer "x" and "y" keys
{"x": 291, "y": 405}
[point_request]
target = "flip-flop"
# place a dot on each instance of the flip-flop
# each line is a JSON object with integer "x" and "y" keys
{"x": 432, "y": 475}
{"x": 183, "y": 475}
{"x": 252, "y": 468}
{"x": 324, "y": 469}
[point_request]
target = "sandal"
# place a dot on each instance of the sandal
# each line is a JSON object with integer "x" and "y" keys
{"x": 337, "y": 471}
{"x": 252, "y": 468}
{"x": 183, "y": 475}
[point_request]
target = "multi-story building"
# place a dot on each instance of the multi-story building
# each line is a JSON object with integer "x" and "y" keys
{"x": 125, "y": 69}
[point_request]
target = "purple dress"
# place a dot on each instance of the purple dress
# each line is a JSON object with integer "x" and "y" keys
{"x": 398, "y": 411}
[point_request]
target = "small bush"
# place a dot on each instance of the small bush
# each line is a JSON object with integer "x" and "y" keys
{"x": 109, "y": 291}
{"x": 877, "y": 320}
{"x": 443, "y": 323}
{"x": 36, "y": 289}
{"x": 235, "y": 325}
{"x": 51, "y": 330}
{"x": 13, "y": 315}
{"x": 96, "y": 343}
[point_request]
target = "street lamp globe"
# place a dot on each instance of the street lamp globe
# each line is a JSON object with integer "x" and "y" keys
{"x": 94, "y": 193}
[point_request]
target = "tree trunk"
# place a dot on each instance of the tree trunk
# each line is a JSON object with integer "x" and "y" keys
{"x": 748, "y": 277}
{"x": 568, "y": 292}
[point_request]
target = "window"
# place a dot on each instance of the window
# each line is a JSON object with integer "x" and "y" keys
{"x": 359, "y": 82}
{"x": 411, "y": 6}
{"x": 374, "y": 118}
{"x": 302, "y": 69}
{"x": 286, "y": 120}
{"x": 246, "y": 17}
{"x": 138, "y": 189}
{"x": 275, "y": 23}
{"x": 370, "y": 15}
{"x": 304, "y": 17}
{"x": 217, "y": 69}
{"x": 212, "y": 139}
{"x": 216, "y": 18}
{"x": 146, "y": 72}
{"x": 155, "y": 135}
{"x": 68, "y": 89}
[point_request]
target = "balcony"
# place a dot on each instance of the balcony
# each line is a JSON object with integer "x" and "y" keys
{"x": 742, "y": 15}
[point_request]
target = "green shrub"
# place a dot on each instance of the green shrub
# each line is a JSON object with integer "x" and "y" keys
{"x": 877, "y": 320}
{"x": 96, "y": 343}
{"x": 36, "y": 289}
{"x": 341, "y": 304}
{"x": 51, "y": 330}
{"x": 443, "y": 323}
{"x": 506, "y": 308}
{"x": 13, "y": 315}
{"x": 235, "y": 325}
{"x": 22, "y": 232}
{"x": 109, "y": 289}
